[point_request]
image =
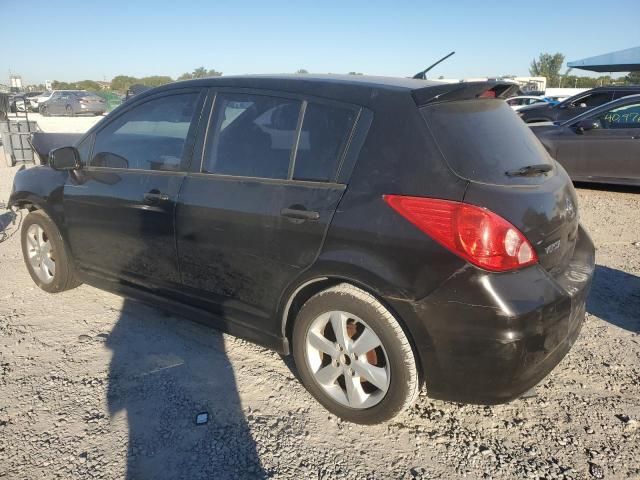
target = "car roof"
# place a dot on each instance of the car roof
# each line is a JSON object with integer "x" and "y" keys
{"x": 617, "y": 87}
{"x": 366, "y": 90}
{"x": 380, "y": 82}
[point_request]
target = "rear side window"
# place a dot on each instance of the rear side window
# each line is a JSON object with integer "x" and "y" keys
{"x": 623, "y": 93}
{"x": 252, "y": 135}
{"x": 483, "y": 139}
{"x": 324, "y": 135}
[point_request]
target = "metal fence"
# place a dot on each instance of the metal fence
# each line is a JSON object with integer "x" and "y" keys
{"x": 15, "y": 136}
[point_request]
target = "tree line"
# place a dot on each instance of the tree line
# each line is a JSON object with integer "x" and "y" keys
{"x": 546, "y": 65}
{"x": 549, "y": 65}
{"x": 121, "y": 83}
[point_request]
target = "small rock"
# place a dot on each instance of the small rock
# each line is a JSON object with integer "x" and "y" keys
{"x": 623, "y": 417}
{"x": 485, "y": 451}
{"x": 596, "y": 470}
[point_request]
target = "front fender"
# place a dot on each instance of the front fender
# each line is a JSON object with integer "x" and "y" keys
{"x": 40, "y": 187}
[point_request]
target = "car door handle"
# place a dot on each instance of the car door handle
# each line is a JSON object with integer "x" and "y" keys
{"x": 153, "y": 197}
{"x": 299, "y": 214}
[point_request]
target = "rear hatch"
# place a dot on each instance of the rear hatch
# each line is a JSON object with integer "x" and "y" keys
{"x": 509, "y": 172}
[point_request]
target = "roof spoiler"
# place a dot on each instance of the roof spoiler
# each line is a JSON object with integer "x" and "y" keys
{"x": 464, "y": 91}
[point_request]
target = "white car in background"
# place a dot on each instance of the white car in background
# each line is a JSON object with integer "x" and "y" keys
{"x": 36, "y": 102}
{"x": 522, "y": 101}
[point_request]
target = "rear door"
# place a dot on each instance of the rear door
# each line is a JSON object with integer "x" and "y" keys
{"x": 254, "y": 214}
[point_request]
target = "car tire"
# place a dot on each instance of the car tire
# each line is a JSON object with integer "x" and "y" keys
{"x": 46, "y": 255}
{"x": 357, "y": 383}
{"x": 69, "y": 110}
{"x": 43, "y": 111}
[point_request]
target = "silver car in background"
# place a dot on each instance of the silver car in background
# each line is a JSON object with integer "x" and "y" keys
{"x": 73, "y": 102}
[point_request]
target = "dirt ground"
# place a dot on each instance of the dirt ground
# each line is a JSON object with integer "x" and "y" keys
{"x": 94, "y": 386}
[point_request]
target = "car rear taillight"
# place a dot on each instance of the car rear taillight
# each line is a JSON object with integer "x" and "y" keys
{"x": 476, "y": 234}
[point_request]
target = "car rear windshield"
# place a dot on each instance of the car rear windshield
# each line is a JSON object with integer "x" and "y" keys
{"x": 483, "y": 139}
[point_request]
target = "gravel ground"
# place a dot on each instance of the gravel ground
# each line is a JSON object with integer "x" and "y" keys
{"x": 94, "y": 386}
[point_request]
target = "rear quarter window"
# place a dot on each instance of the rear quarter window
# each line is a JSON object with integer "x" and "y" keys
{"x": 323, "y": 138}
{"x": 483, "y": 139}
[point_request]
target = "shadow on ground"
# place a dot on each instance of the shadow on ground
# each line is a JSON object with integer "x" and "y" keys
{"x": 607, "y": 187}
{"x": 164, "y": 371}
{"x": 615, "y": 298}
{"x": 6, "y": 219}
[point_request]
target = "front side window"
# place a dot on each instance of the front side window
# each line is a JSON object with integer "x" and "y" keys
{"x": 593, "y": 100}
{"x": 252, "y": 135}
{"x": 627, "y": 116}
{"x": 325, "y": 133}
{"x": 151, "y": 136}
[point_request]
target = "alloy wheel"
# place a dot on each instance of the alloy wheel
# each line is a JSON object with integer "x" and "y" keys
{"x": 347, "y": 359}
{"x": 40, "y": 254}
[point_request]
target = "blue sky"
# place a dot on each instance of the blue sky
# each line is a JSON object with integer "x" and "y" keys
{"x": 98, "y": 40}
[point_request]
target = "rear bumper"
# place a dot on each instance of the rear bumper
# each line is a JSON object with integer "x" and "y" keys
{"x": 488, "y": 338}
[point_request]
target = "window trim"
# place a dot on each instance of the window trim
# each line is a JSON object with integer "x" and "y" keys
{"x": 190, "y": 139}
{"x": 305, "y": 100}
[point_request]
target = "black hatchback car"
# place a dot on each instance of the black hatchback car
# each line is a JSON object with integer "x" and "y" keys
{"x": 576, "y": 105}
{"x": 390, "y": 233}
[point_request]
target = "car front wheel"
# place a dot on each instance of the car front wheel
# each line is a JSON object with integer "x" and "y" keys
{"x": 46, "y": 255}
{"x": 353, "y": 356}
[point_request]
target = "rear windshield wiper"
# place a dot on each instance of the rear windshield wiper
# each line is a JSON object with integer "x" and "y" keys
{"x": 529, "y": 170}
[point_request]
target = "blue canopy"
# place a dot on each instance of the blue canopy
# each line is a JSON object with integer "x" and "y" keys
{"x": 621, "y": 61}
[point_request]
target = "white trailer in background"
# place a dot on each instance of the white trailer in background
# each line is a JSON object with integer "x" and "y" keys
{"x": 562, "y": 93}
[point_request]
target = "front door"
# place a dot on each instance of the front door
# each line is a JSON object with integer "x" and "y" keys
{"x": 120, "y": 207}
{"x": 253, "y": 217}
{"x": 53, "y": 105}
{"x": 610, "y": 151}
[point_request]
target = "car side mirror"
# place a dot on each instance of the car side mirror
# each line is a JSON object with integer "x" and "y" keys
{"x": 65, "y": 158}
{"x": 586, "y": 125}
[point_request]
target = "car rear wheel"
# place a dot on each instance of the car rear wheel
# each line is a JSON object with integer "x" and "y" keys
{"x": 45, "y": 254}
{"x": 353, "y": 356}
